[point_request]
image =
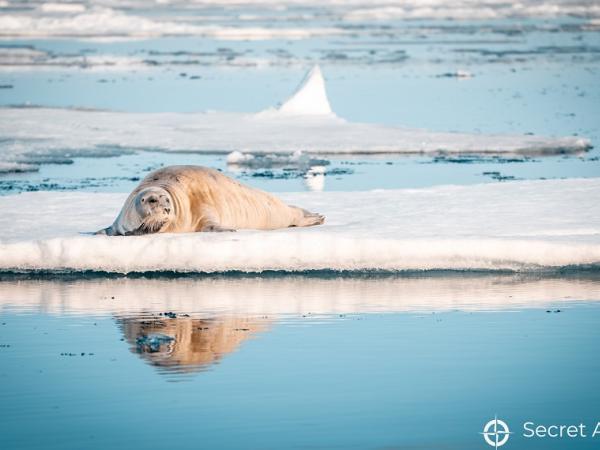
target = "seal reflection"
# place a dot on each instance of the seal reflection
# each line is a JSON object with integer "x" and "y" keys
{"x": 178, "y": 343}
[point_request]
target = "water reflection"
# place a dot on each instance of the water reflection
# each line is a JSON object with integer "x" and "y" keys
{"x": 181, "y": 344}
{"x": 315, "y": 178}
{"x": 188, "y": 324}
{"x": 292, "y": 295}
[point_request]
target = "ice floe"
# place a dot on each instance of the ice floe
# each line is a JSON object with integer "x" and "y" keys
{"x": 471, "y": 10}
{"x": 303, "y": 123}
{"x": 542, "y": 225}
{"x": 101, "y": 22}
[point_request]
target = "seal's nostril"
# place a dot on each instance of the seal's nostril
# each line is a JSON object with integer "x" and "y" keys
{"x": 167, "y": 210}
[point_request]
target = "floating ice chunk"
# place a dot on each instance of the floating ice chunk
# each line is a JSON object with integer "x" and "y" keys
{"x": 514, "y": 226}
{"x": 310, "y": 98}
{"x": 297, "y": 159}
{"x": 460, "y": 73}
{"x": 16, "y": 167}
{"x": 239, "y": 158}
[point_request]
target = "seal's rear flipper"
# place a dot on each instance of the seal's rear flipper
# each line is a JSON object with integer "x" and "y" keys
{"x": 311, "y": 219}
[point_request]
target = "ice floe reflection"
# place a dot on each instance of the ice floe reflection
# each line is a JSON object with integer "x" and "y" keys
{"x": 186, "y": 325}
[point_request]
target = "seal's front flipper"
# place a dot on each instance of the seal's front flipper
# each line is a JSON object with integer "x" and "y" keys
{"x": 211, "y": 222}
{"x": 108, "y": 231}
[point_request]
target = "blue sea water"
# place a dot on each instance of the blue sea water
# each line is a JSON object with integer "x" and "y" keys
{"x": 387, "y": 379}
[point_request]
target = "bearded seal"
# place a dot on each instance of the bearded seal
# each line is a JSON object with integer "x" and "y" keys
{"x": 183, "y": 199}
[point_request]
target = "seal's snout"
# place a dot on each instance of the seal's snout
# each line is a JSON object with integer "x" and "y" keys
{"x": 155, "y": 203}
{"x": 151, "y": 199}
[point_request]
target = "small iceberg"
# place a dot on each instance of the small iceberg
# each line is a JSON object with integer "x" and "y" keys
{"x": 310, "y": 98}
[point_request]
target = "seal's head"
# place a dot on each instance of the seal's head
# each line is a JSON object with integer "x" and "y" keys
{"x": 148, "y": 210}
{"x": 154, "y": 206}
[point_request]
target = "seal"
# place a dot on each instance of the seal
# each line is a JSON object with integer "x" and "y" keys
{"x": 183, "y": 199}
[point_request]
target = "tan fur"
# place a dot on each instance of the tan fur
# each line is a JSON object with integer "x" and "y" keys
{"x": 204, "y": 199}
{"x": 196, "y": 344}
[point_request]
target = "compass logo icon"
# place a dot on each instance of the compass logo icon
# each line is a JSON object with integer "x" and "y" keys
{"x": 496, "y": 432}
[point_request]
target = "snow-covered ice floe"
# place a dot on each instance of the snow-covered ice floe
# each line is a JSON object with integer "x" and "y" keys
{"x": 542, "y": 225}
{"x": 305, "y": 122}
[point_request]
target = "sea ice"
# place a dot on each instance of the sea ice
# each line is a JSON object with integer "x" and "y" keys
{"x": 305, "y": 122}
{"x": 255, "y": 19}
{"x": 522, "y": 225}
{"x": 106, "y": 22}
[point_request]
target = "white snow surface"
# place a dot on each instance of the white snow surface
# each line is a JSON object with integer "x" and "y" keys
{"x": 520, "y": 226}
{"x": 45, "y": 131}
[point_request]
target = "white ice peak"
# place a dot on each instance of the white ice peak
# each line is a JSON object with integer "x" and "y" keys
{"x": 310, "y": 98}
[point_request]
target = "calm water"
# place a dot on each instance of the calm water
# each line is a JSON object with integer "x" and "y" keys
{"x": 295, "y": 362}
